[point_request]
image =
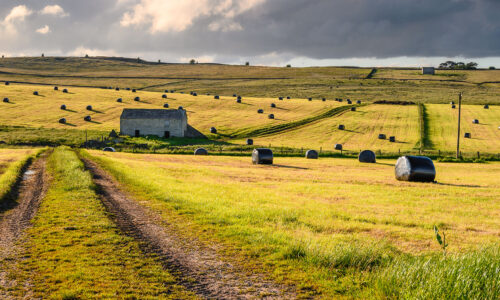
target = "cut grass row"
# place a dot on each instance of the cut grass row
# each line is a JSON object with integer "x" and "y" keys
{"x": 74, "y": 250}
{"x": 335, "y": 226}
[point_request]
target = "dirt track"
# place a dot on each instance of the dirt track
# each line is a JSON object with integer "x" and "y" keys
{"x": 15, "y": 220}
{"x": 197, "y": 266}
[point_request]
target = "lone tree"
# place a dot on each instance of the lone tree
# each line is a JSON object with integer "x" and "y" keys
{"x": 491, "y": 68}
{"x": 192, "y": 61}
{"x": 247, "y": 63}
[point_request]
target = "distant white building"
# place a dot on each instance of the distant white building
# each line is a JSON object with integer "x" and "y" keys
{"x": 160, "y": 122}
{"x": 428, "y": 71}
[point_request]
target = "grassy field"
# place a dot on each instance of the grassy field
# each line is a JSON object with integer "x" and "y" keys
{"x": 75, "y": 251}
{"x": 12, "y": 162}
{"x": 362, "y": 128}
{"x": 443, "y": 122}
{"x": 337, "y": 226}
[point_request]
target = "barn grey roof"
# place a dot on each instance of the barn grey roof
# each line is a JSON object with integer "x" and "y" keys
{"x": 132, "y": 113}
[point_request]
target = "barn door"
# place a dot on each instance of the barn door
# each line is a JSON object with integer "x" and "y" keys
{"x": 167, "y": 134}
{"x": 137, "y": 133}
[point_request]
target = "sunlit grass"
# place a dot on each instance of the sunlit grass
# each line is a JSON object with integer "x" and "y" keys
{"x": 12, "y": 163}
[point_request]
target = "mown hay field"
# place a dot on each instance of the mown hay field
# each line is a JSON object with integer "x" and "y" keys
{"x": 331, "y": 223}
{"x": 443, "y": 124}
{"x": 10, "y": 156}
{"x": 362, "y": 128}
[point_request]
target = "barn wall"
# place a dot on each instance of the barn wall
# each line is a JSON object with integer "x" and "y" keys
{"x": 177, "y": 127}
{"x": 428, "y": 71}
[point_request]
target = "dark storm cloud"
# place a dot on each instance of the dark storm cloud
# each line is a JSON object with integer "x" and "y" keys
{"x": 318, "y": 29}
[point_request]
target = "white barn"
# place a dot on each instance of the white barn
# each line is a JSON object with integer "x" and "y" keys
{"x": 160, "y": 122}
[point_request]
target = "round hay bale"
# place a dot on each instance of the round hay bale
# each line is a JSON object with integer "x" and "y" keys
{"x": 164, "y": 96}
{"x": 260, "y": 111}
{"x": 172, "y": 91}
{"x": 271, "y": 116}
{"x": 63, "y": 107}
{"x": 6, "y": 100}
{"x": 382, "y": 136}
{"x": 234, "y": 95}
{"x": 341, "y": 127}
{"x": 452, "y": 102}
{"x": 273, "y": 105}
{"x": 453, "y": 106}
{"x": 89, "y": 107}
{"x": 213, "y": 130}
{"x": 415, "y": 168}
{"x": 340, "y": 100}
{"x": 467, "y": 135}
{"x": 324, "y": 99}
{"x": 165, "y": 105}
{"x": 165, "y": 91}
{"x": 238, "y": 100}
{"x": 62, "y": 120}
{"x": 249, "y": 142}
{"x": 353, "y": 108}
{"x": 201, "y": 151}
{"x": 475, "y": 121}
{"x": 117, "y": 89}
{"x": 137, "y": 99}
{"x": 392, "y": 139}
{"x": 128, "y": 89}
{"x": 367, "y": 156}
{"x": 312, "y": 154}
{"x": 310, "y": 99}
{"x": 486, "y": 106}
{"x": 65, "y": 91}
{"x": 338, "y": 146}
{"x": 358, "y": 102}
{"x": 262, "y": 156}
{"x": 133, "y": 90}
{"x": 87, "y": 118}
{"x": 195, "y": 94}
{"x": 216, "y": 97}
{"x": 280, "y": 98}
{"x": 119, "y": 100}
{"x": 349, "y": 101}
{"x": 56, "y": 88}
{"x": 180, "y": 108}
{"x": 7, "y": 83}
{"x": 288, "y": 97}
{"x": 35, "y": 93}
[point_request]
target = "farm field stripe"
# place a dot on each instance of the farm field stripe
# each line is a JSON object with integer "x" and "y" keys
{"x": 198, "y": 266}
{"x": 32, "y": 188}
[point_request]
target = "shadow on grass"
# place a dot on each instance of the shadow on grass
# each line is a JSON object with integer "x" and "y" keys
{"x": 95, "y": 122}
{"x": 70, "y": 110}
{"x": 458, "y": 185}
{"x": 70, "y": 124}
{"x": 289, "y": 167}
{"x": 97, "y": 111}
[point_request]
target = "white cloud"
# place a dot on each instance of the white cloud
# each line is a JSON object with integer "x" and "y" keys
{"x": 54, "y": 10}
{"x": 177, "y": 16}
{"x": 43, "y": 30}
{"x": 17, "y": 14}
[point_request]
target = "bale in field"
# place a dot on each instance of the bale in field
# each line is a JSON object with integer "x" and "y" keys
{"x": 349, "y": 101}
{"x": 273, "y": 105}
{"x": 340, "y": 100}
{"x": 165, "y": 91}
{"x": 280, "y": 98}
{"x": 415, "y": 168}
{"x": 341, "y": 127}
{"x": 310, "y": 99}
{"x": 353, "y": 108}
{"x": 467, "y": 135}
{"x": 288, "y": 97}
{"x": 117, "y": 89}
{"x": 56, "y": 88}
{"x": 262, "y": 156}
{"x": 338, "y": 146}
{"x": 201, "y": 151}
{"x": 128, "y": 89}
{"x": 312, "y": 154}
{"x": 62, "y": 121}
{"x": 137, "y": 99}
{"x": 367, "y": 156}
{"x": 87, "y": 118}
{"x": 475, "y": 121}
{"x": 172, "y": 91}
{"x": 119, "y": 100}
{"x": 234, "y": 95}
{"x": 195, "y": 94}
{"x": 89, "y": 107}
{"x": 63, "y": 107}
{"x": 213, "y": 130}
{"x": 238, "y": 100}
{"x": 271, "y": 116}
{"x": 180, "y": 108}
{"x": 164, "y": 96}
{"x": 324, "y": 99}
{"x": 260, "y": 111}
{"x": 249, "y": 142}
{"x": 453, "y": 106}
{"x": 191, "y": 93}
{"x": 7, "y": 83}
{"x": 133, "y": 90}
{"x": 65, "y": 91}
{"x": 6, "y": 100}
{"x": 239, "y": 97}
{"x": 35, "y": 93}
{"x": 381, "y": 136}
{"x": 486, "y": 106}
{"x": 392, "y": 139}
{"x": 452, "y": 102}
{"x": 216, "y": 97}
{"x": 165, "y": 105}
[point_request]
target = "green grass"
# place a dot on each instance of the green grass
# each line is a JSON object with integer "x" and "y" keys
{"x": 332, "y": 225}
{"x": 74, "y": 251}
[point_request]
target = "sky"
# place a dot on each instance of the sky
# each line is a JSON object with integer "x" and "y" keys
{"x": 366, "y": 33}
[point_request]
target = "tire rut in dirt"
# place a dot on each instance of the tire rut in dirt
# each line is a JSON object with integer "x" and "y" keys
{"x": 197, "y": 266}
{"x": 14, "y": 222}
